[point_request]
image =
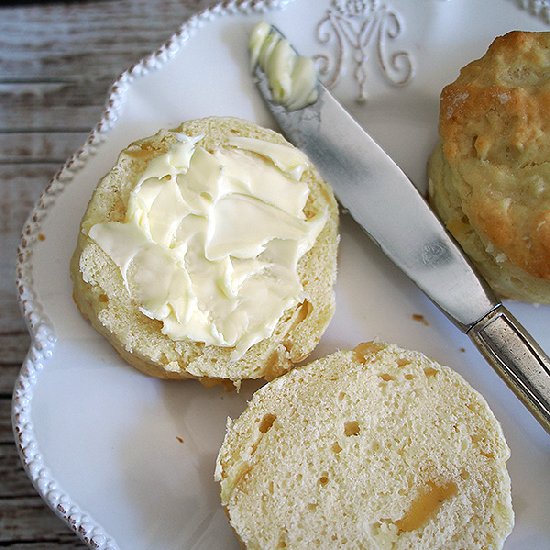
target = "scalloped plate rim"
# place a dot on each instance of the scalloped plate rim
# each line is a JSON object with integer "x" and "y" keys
{"x": 42, "y": 334}
{"x": 37, "y": 322}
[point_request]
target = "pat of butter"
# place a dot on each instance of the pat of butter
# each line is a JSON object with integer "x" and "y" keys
{"x": 292, "y": 78}
{"x": 211, "y": 241}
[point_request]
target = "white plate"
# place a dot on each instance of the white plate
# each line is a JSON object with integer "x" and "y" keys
{"x": 100, "y": 440}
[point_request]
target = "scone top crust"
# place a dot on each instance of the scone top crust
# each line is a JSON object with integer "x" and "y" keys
{"x": 101, "y": 296}
{"x": 494, "y": 127}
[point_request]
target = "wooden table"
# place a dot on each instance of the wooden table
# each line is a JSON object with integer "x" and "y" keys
{"x": 57, "y": 62}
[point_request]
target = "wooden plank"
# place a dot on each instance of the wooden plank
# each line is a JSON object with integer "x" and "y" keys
{"x": 15, "y": 483}
{"x": 11, "y": 319}
{"x": 20, "y": 188}
{"x": 8, "y": 374}
{"x": 43, "y": 545}
{"x": 58, "y": 40}
{"x": 6, "y": 433}
{"x": 13, "y": 348}
{"x": 28, "y": 519}
{"x": 73, "y": 105}
{"x": 42, "y": 83}
{"x": 39, "y": 147}
{"x": 24, "y": 517}
{"x": 57, "y": 62}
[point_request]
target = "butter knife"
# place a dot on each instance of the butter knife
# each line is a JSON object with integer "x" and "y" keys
{"x": 384, "y": 202}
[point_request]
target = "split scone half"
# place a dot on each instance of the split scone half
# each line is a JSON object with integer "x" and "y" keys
{"x": 489, "y": 177}
{"x": 378, "y": 447}
{"x": 209, "y": 251}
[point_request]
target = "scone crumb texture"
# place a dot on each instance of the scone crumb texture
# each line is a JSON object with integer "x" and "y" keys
{"x": 378, "y": 447}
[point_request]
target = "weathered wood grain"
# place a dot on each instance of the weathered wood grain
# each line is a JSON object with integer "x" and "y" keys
{"x": 11, "y": 320}
{"x": 91, "y": 38}
{"x": 26, "y": 522}
{"x": 57, "y": 62}
{"x": 69, "y": 544}
{"x": 39, "y": 147}
{"x": 13, "y": 348}
{"x": 6, "y": 433}
{"x": 20, "y": 187}
{"x": 15, "y": 484}
{"x": 26, "y": 519}
{"x": 52, "y": 105}
{"x": 8, "y": 374}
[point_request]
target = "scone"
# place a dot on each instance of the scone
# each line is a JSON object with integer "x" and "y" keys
{"x": 490, "y": 175}
{"x": 209, "y": 251}
{"x": 373, "y": 448}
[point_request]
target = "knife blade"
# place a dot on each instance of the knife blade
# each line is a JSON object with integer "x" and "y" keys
{"x": 385, "y": 203}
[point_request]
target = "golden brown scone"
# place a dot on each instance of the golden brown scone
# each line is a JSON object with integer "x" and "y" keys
{"x": 103, "y": 299}
{"x": 490, "y": 175}
{"x": 375, "y": 448}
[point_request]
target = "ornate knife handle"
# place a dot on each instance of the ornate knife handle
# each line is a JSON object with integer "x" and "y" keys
{"x": 517, "y": 358}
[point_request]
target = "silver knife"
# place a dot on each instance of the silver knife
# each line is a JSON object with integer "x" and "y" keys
{"x": 381, "y": 198}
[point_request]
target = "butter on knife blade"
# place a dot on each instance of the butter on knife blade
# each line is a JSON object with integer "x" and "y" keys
{"x": 292, "y": 78}
{"x": 380, "y": 197}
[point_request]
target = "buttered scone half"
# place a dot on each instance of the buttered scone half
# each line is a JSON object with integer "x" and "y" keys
{"x": 375, "y": 448}
{"x": 209, "y": 251}
{"x": 490, "y": 174}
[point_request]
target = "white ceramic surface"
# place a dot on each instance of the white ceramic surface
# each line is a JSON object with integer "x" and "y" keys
{"x": 100, "y": 440}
